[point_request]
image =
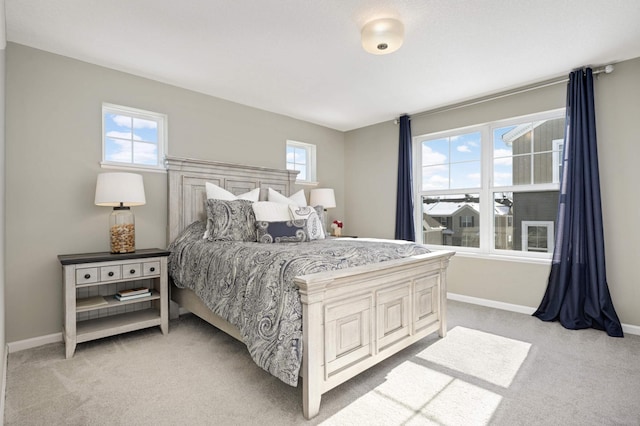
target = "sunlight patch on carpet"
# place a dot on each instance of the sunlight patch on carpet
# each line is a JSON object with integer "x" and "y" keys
{"x": 414, "y": 394}
{"x": 492, "y": 358}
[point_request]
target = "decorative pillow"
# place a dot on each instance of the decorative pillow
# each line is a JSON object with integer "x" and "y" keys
{"x": 232, "y": 220}
{"x": 289, "y": 231}
{"x": 269, "y": 211}
{"x": 218, "y": 193}
{"x": 314, "y": 226}
{"x": 299, "y": 199}
{"x": 322, "y": 213}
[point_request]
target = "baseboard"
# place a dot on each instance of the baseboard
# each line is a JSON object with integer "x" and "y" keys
{"x": 631, "y": 329}
{"x": 34, "y": 342}
{"x": 527, "y": 310}
{"x": 3, "y": 385}
{"x": 491, "y": 303}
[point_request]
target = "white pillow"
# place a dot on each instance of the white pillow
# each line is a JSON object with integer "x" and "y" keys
{"x": 269, "y": 211}
{"x": 218, "y": 193}
{"x": 314, "y": 224}
{"x": 299, "y": 199}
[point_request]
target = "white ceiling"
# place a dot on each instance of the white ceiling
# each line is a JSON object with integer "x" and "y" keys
{"x": 303, "y": 59}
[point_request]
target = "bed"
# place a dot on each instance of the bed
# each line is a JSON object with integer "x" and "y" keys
{"x": 352, "y": 318}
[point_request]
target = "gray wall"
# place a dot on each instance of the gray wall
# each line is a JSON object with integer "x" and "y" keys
{"x": 53, "y": 148}
{"x": 370, "y": 196}
{"x": 2, "y": 215}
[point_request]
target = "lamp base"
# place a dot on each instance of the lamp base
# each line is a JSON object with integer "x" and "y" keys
{"x": 122, "y": 230}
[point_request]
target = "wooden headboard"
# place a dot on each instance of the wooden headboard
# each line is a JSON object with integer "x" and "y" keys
{"x": 187, "y": 195}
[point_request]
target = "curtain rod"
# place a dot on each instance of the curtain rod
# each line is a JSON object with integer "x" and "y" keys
{"x": 546, "y": 83}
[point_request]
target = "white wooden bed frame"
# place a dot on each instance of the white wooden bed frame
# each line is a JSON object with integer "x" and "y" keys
{"x": 352, "y": 318}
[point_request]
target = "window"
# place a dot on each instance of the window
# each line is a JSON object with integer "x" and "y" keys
{"x": 537, "y": 236}
{"x": 492, "y": 188}
{"x": 466, "y": 221}
{"x": 302, "y": 157}
{"x": 133, "y": 138}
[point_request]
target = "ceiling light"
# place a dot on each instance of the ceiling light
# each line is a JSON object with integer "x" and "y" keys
{"x": 382, "y": 36}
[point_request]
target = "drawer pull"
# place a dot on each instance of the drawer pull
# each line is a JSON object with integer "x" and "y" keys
{"x": 110, "y": 274}
{"x": 133, "y": 271}
{"x": 87, "y": 276}
{"x": 152, "y": 269}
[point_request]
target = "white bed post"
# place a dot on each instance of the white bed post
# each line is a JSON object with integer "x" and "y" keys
{"x": 313, "y": 347}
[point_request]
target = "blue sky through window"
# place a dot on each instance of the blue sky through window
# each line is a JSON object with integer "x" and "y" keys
{"x": 452, "y": 162}
{"x": 297, "y": 160}
{"x": 130, "y": 140}
{"x": 502, "y": 158}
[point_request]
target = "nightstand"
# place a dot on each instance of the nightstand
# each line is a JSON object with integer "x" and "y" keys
{"x": 90, "y": 282}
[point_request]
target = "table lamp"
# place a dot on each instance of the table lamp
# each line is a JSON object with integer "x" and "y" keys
{"x": 326, "y": 198}
{"x": 121, "y": 191}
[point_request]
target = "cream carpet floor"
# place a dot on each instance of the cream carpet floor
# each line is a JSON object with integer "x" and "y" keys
{"x": 493, "y": 368}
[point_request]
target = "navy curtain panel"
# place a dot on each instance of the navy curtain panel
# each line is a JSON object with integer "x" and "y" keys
{"x": 404, "y": 197}
{"x": 577, "y": 293}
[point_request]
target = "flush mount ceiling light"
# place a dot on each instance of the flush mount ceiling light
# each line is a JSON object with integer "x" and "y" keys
{"x": 382, "y": 36}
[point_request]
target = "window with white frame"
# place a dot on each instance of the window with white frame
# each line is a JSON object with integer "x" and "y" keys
{"x": 133, "y": 138}
{"x": 492, "y": 188}
{"x": 302, "y": 157}
{"x": 537, "y": 236}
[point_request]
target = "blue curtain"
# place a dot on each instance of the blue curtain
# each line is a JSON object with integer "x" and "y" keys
{"x": 577, "y": 293}
{"x": 404, "y": 197}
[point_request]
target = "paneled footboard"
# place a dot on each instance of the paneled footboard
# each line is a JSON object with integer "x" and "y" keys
{"x": 357, "y": 317}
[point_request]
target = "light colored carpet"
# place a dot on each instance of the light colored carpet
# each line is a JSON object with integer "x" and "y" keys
{"x": 493, "y": 368}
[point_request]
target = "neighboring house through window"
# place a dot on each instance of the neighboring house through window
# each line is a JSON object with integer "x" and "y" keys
{"x": 302, "y": 157}
{"x": 133, "y": 138}
{"x": 492, "y": 187}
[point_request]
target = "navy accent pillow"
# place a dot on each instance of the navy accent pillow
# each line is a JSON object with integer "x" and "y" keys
{"x": 290, "y": 231}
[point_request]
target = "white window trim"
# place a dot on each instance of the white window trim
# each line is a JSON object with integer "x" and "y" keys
{"x": 557, "y": 158}
{"x": 538, "y": 223}
{"x": 145, "y": 115}
{"x": 310, "y": 150}
{"x": 487, "y": 241}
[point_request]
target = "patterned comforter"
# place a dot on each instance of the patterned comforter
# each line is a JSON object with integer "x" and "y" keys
{"x": 251, "y": 286}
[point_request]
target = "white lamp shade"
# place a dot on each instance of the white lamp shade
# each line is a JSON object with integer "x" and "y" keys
{"x": 115, "y": 189}
{"x": 324, "y": 197}
{"x": 382, "y": 36}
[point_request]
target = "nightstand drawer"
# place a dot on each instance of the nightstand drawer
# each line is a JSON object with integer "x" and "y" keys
{"x": 110, "y": 273}
{"x": 131, "y": 270}
{"x": 150, "y": 268}
{"x": 86, "y": 275}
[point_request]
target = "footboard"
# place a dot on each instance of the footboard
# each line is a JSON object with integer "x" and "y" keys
{"x": 355, "y": 318}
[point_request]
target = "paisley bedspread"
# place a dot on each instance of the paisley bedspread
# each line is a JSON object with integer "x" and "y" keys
{"x": 251, "y": 285}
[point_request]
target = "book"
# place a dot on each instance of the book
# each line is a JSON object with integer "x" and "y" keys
{"x": 91, "y": 302}
{"x": 133, "y": 296}
{"x": 132, "y": 291}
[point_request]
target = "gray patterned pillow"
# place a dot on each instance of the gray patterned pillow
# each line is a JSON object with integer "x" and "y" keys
{"x": 290, "y": 231}
{"x": 230, "y": 220}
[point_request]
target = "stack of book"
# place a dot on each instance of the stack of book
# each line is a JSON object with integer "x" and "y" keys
{"x": 133, "y": 293}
